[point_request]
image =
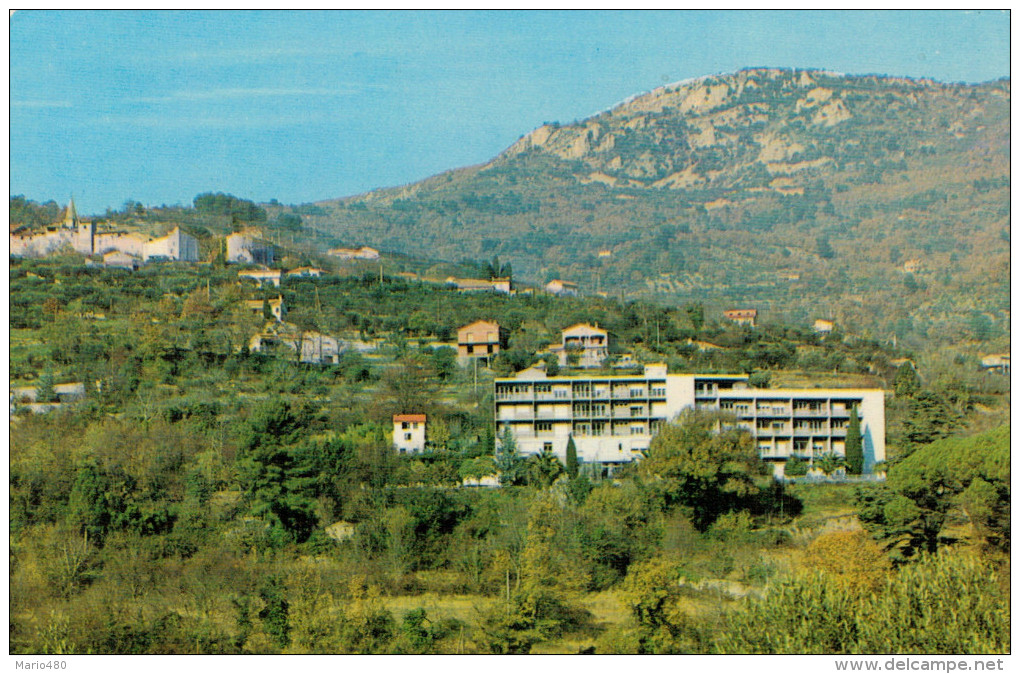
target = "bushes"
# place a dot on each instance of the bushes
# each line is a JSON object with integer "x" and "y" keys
{"x": 943, "y": 604}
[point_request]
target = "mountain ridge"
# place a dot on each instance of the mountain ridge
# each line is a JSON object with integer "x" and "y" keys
{"x": 709, "y": 188}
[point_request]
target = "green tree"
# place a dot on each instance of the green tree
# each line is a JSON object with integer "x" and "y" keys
{"x": 542, "y": 469}
{"x": 824, "y": 248}
{"x": 906, "y": 383}
{"x": 275, "y": 611}
{"x": 854, "y": 445}
{"x": 929, "y": 418}
{"x": 572, "y": 465}
{"x": 954, "y": 478}
{"x": 509, "y": 461}
{"x": 701, "y": 469}
{"x": 275, "y": 475}
{"x": 44, "y": 393}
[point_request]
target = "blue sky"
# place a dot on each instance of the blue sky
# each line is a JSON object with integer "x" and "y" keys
{"x": 161, "y": 106}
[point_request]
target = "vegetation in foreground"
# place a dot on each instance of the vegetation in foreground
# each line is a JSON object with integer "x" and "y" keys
{"x": 183, "y": 506}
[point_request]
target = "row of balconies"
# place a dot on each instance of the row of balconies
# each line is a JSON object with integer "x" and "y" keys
{"x": 655, "y": 394}
{"x": 525, "y": 415}
{"x": 801, "y": 432}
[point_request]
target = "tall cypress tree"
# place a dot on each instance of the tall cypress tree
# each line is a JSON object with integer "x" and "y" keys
{"x": 854, "y": 445}
{"x": 571, "y": 457}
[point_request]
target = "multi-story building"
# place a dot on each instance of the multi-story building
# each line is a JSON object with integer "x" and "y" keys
{"x": 248, "y": 247}
{"x": 409, "y": 433}
{"x": 481, "y": 339}
{"x": 582, "y": 345}
{"x": 613, "y": 418}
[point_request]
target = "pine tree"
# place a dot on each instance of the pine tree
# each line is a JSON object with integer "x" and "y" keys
{"x": 509, "y": 461}
{"x": 854, "y": 445}
{"x": 571, "y": 457}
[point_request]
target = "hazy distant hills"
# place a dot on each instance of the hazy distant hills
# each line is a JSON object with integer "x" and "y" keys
{"x": 803, "y": 193}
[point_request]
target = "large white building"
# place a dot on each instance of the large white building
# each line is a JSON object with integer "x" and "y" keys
{"x": 613, "y": 418}
{"x": 84, "y": 238}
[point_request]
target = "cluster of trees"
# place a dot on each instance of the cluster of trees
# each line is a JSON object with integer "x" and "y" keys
{"x": 240, "y": 211}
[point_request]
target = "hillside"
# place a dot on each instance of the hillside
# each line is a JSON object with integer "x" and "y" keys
{"x": 804, "y": 194}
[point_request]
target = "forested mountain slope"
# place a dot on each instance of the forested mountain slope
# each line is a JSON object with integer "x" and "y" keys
{"x": 804, "y": 194}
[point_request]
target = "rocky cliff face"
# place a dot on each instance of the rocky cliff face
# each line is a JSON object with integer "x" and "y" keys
{"x": 762, "y": 128}
{"x": 775, "y": 188}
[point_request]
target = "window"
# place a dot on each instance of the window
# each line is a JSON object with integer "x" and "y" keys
{"x": 489, "y": 347}
{"x": 403, "y": 425}
{"x": 637, "y": 410}
{"x": 637, "y": 430}
{"x": 470, "y": 337}
{"x": 546, "y": 446}
{"x": 543, "y": 426}
{"x": 407, "y": 437}
{"x": 470, "y": 349}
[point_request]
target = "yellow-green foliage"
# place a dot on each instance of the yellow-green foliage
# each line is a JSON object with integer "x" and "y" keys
{"x": 947, "y": 603}
{"x": 850, "y": 559}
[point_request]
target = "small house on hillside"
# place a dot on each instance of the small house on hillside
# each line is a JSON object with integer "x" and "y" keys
{"x": 363, "y": 253}
{"x": 582, "y": 345}
{"x": 562, "y": 288}
{"x": 248, "y": 247}
{"x": 481, "y": 340}
{"x": 262, "y": 276}
{"x": 306, "y": 272}
{"x": 409, "y": 433}
{"x": 276, "y": 307}
{"x": 746, "y": 317}
{"x": 823, "y": 326}
{"x": 996, "y": 362}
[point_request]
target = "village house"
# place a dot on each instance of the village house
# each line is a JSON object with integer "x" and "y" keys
{"x": 561, "y": 288}
{"x": 117, "y": 259}
{"x": 582, "y": 345}
{"x": 613, "y": 418}
{"x": 409, "y": 433}
{"x": 480, "y": 340}
{"x": 823, "y": 326}
{"x": 262, "y": 276}
{"x": 471, "y": 285}
{"x": 248, "y": 247}
{"x": 996, "y": 362}
{"x": 306, "y": 272}
{"x": 363, "y": 253}
{"x": 276, "y": 307}
{"x": 315, "y": 347}
{"x": 913, "y": 266}
{"x": 746, "y": 317}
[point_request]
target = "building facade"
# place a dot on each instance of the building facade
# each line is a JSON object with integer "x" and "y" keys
{"x": 481, "y": 340}
{"x": 582, "y": 345}
{"x": 262, "y": 276}
{"x": 561, "y": 288}
{"x": 613, "y": 418}
{"x": 748, "y": 317}
{"x": 248, "y": 248}
{"x": 409, "y": 433}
